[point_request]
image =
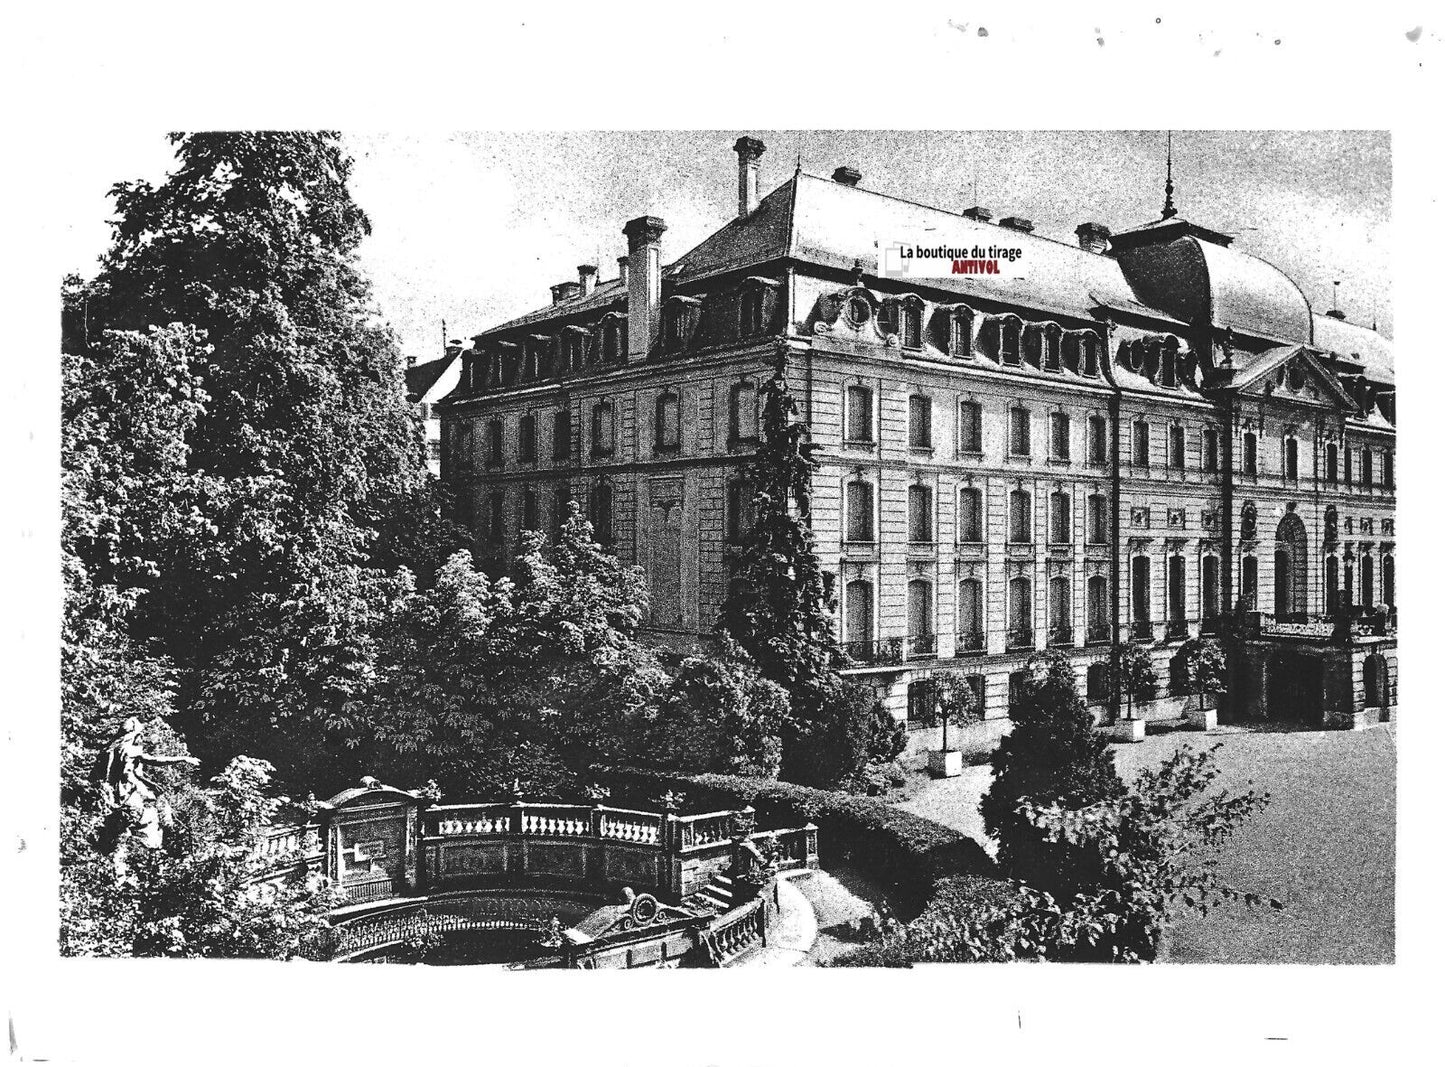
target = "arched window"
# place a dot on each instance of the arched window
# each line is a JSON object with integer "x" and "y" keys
{"x": 1251, "y": 453}
{"x": 1168, "y": 370}
{"x": 859, "y": 505}
{"x": 1051, "y": 346}
{"x": 1332, "y": 463}
{"x": 1210, "y": 459}
{"x": 1141, "y": 443}
{"x": 1176, "y": 447}
{"x": 740, "y": 509}
{"x": 600, "y": 513}
{"x": 920, "y": 422}
{"x": 604, "y": 428}
{"x": 1061, "y": 623}
{"x": 1332, "y": 525}
{"x": 858, "y": 418}
{"x": 1058, "y": 435}
{"x": 1291, "y": 459}
{"x": 1139, "y": 597}
{"x": 1098, "y": 519}
{"x": 1020, "y": 517}
{"x": 1176, "y": 596}
{"x": 920, "y": 617}
{"x": 1098, "y": 441}
{"x": 1018, "y": 438}
{"x": 858, "y": 615}
{"x": 1249, "y": 582}
{"x": 667, "y": 433}
{"x": 970, "y": 428}
{"x": 1247, "y": 522}
{"x": 1387, "y": 469}
{"x": 1347, "y": 587}
{"x": 1061, "y": 526}
{"x": 1332, "y": 585}
{"x": 611, "y": 340}
{"x": 911, "y": 325}
{"x": 1020, "y": 613}
{"x": 743, "y": 412}
{"x": 1387, "y": 578}
{"x": 970, "y": 615}
{"x": 1367, "y": 580}
{"x": 1089, "y": 346}
{"x": 920, "y": 514}
{"x": 960, "y": 333}
{"x": 1009, "y": 330}
{"x": 561, "y": 435}
{"x": 1098, "y": 608}
{"x": 1209, "y": 586}
{"x": 970, "y": 515}
{"x": 527, "y": 438}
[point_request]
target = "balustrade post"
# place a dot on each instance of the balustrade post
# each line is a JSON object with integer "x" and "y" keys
{"x": 810, "y": 832}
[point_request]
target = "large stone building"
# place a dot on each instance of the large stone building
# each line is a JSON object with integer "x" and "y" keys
{"x": 1151, "y": 435}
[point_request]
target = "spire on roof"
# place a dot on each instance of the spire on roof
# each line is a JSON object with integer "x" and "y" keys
{"x": 1169, "y": 209}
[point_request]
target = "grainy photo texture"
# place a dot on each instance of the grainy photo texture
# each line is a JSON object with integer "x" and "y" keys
{"x": 696, "y": 549}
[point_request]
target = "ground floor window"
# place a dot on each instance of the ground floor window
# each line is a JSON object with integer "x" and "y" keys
{"x": 922, "y": 694}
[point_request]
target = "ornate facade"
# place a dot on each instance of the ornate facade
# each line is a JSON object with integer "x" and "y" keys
{"x": 1150, "y": 436}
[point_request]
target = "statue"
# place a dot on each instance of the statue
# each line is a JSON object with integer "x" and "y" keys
{"x": 134, "y": 800}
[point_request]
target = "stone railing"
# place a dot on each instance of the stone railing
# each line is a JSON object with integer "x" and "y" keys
{"x": 543, "y": 820}
{"x": 742, "y": 929}
{"x": 694, "y": 831}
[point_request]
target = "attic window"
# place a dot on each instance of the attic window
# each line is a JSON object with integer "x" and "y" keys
{"x": 1089, "y": 346}
{"x": 911, "y": 327}
{"x": 1296, "y": 377}
{"x": 1051, "y": 347}
{"x": 859, "y": 311}
{"x": 751, "y": 317}
{"x": 1168, "y": 358}
{"x": 610, "y": 340}
{"x": 960, "y": 333}
{"x": 1009, "y": 329}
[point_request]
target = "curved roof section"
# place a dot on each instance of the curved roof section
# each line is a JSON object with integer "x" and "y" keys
{"x": 1374, "y": 352}
{"x": 1204, "y": 282}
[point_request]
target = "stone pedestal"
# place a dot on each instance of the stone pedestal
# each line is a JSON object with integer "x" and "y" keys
{"x": 1206, "y": 719}
{"x": 1127, "y": 731}
{"x": 943, "y": 764}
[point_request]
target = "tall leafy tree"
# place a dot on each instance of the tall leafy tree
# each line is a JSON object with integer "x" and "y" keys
{"x": 305, "y": 452}
{"x": 779, "y": 604}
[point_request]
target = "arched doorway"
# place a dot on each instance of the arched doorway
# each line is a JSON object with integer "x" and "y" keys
{"x": 1291, "y": 567}
{"x": 1295, "y": 692}
{"x": 1377, "y": 683}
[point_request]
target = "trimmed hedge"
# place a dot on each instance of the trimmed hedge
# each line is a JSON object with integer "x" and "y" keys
{"x": 904, "y": 854}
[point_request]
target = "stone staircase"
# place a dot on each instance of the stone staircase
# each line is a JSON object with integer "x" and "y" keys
{"x": 716, "y": 896}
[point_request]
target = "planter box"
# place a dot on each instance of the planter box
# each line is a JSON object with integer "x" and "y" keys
{"x": 1207, "y": 719}
{"x": 945, "y": 764}
{"x": 1127, "y": 731}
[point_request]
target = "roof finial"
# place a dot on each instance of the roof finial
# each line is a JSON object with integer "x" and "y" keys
{"x": 799, "y": 168}
{"x": 1169, "y": 209}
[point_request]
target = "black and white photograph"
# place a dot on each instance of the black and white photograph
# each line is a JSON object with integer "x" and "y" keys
{"x": 939, "y": 555}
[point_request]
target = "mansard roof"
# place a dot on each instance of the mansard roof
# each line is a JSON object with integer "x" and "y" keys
{"x": 421, "y": 378}
{"x": 605, "y": 294}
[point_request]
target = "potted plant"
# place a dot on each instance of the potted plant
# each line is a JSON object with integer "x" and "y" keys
{"x": 954, "y": 704}
{"x": 1137, "y": 678}
{"x": 1204, "y": 673}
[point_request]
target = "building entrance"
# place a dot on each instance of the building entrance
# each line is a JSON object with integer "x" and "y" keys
{"x": 1296, "y": 689}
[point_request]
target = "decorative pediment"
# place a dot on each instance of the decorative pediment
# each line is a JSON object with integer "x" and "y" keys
{"x": 1293, "y": 373}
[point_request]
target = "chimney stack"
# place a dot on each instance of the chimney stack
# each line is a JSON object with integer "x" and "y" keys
{"x": 1013, "y": 222}
{"x": 644, "y": 282}
{"x": 564, "y": 291}
{"x": 1093, "y": 236}
{"x": 587, "y": 278}
{"x": 622, "y": 270}
{"x": 978, "y": 214}
{"x": 847, "y": 176}
{"x": 749, "y": 150}
{"x": 1336, "y": 313}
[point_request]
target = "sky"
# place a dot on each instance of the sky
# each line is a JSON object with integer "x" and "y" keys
{"x": 472, "y": 229}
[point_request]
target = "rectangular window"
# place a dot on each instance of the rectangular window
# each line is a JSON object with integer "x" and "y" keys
{"x": 970, "y": 428}
{"x": 494, "y": 443}
{"x": 495, "y": 529}
{"x": 920, "y": 422}
{"x": 527, "y": 439}
{"x": 858, "y": 419}
{"x": 1018, "y": 437}
{"x": 1141, "y": 444}
{"x": 1176, "y": 447}
{"x": 562, "y": 435}
{"x": 1059, "y": 435}
{"x": 1367, "y": 468}
{"x": 1387, "y": 469}
{"x": 920, "y": 514}
{"x": 1349, "y": 466}
{"x": 859, "y": 505}
{"x": 1211, "y": 451}
{"x": 1098, "y": 520}
{"x": 1098, "y": 441}
{"x": 1020, "y": 518}
{"x": 667, "y": 430}
{"x": 970, "y": 516}
{"x": 1251, "y": 454}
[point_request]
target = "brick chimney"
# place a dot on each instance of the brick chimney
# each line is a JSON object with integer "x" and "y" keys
{"x": 587, "y": 278}
{"x": 749, "y": 150}
{"x": 564, "y": 291}
{"x": 1013, "y": 222}
{"x": 644, "y": 283}
{"x": 622, "y": 270}
{"x": 847, "y": 176}
{"x": 978, "y": 214}
{"x": 1093, "y": 236}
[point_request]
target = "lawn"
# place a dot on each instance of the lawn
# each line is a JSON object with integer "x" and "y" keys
{"x": 1325, "y": 845}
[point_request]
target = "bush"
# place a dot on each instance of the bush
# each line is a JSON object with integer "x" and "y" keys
{"x": 905, "y": 855}
{"x": 1052, "y": 754}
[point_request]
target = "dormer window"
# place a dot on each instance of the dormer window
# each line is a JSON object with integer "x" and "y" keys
{"x": 1033, "y": 346}
{"x": 859, "y": 311}
{"x": 1089, "y": 350}
{"x": 753, "y": 307}
{"x": 529, "y": 365}
{"x": 680, "y": 322}
{"x": 960, "y": 333}
{"x": 611, "y": 339}
{"x": 1051, "y": 339}
{"x": 1006, "y": 330}
{"x": 574, "y": 344}
{"x": 1168, "y": 365}
{"x": 543, "y": 349}
{"x": 910, "y": 330}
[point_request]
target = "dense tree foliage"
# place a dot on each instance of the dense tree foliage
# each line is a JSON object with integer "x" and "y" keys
{"x": 299, "y": 479}
{"x": 1052, "y": 754}
{"x": 779, "y": 605}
